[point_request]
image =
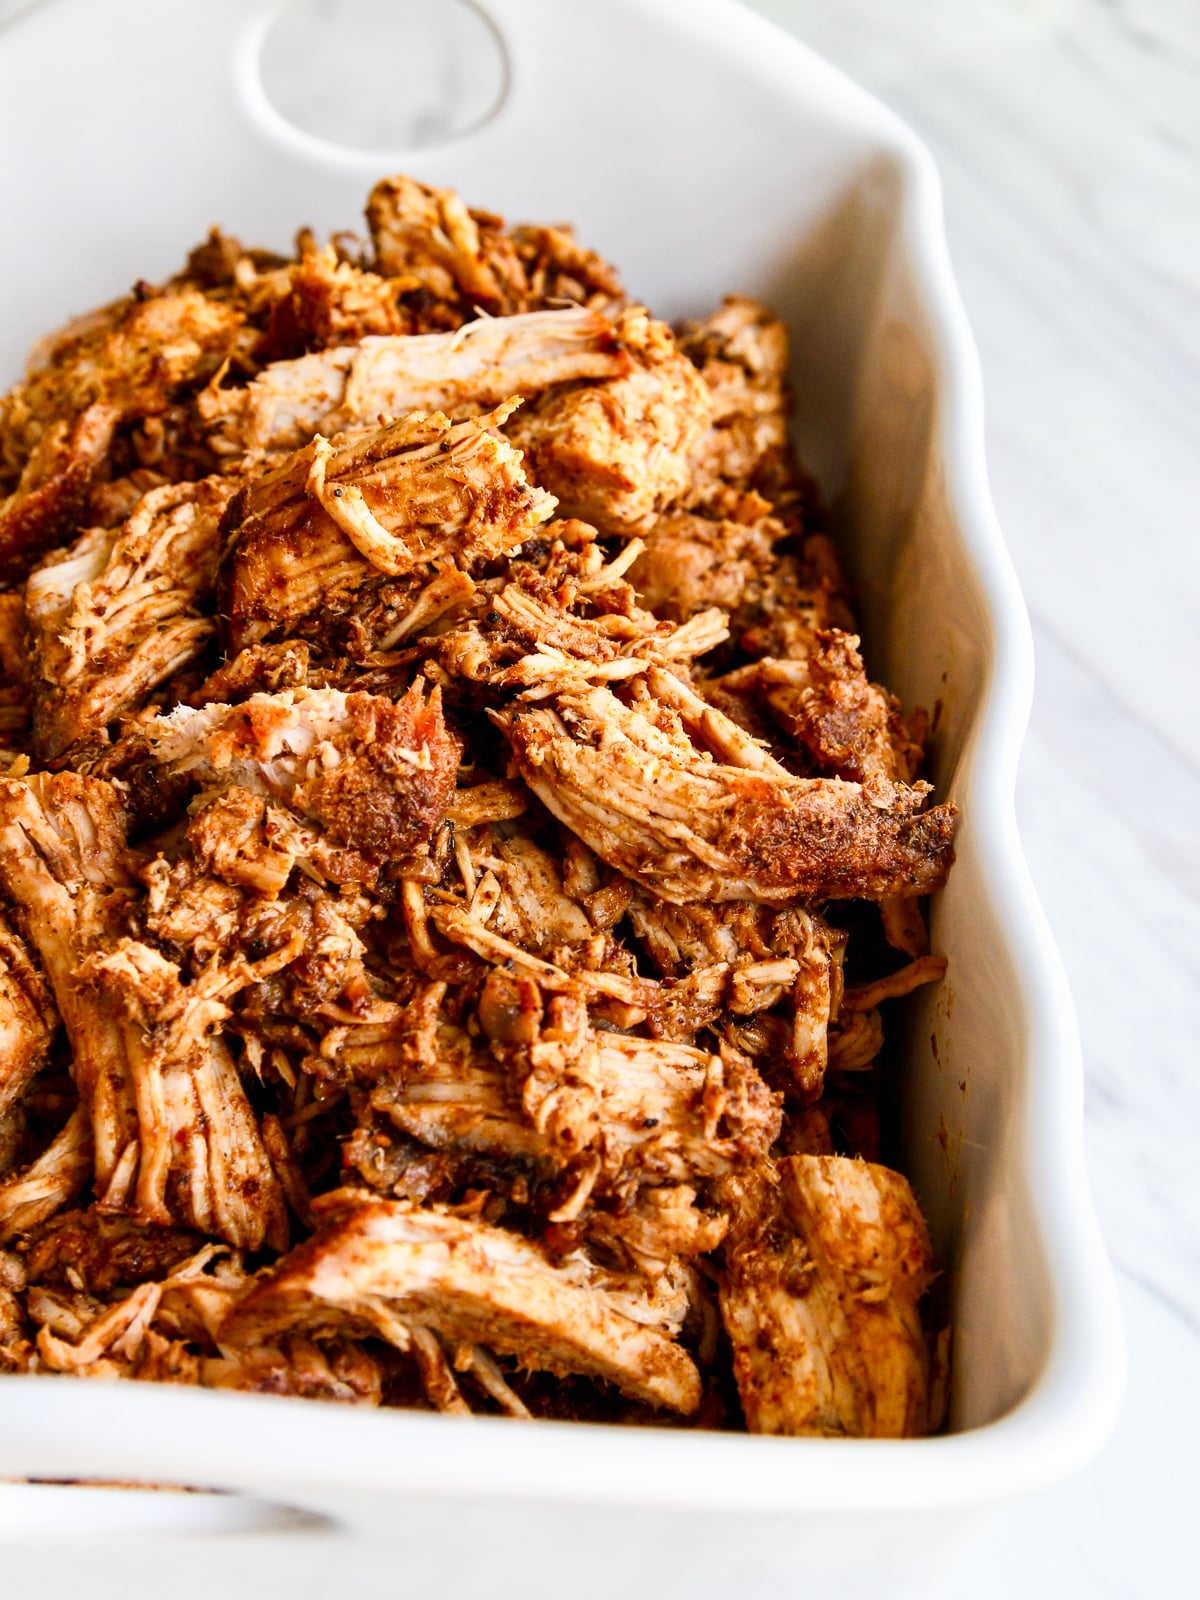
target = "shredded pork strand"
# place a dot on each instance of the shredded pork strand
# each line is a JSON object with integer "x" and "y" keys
{"x": 62, "y": 1171}
{"x": 418, "y": 493}
{"x": 633, "y": 786}
{"x": 461, "y": 373}
{"x": 173, "y": 1131}
{"x": 436, "y": 757}
{"x": 466, "y": 1281}
{"x": 118, "y": 613}
{"x": 824, "y": 1270}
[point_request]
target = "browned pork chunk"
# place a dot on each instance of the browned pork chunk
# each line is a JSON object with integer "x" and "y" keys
{"x": 128, "y": 358}
{"x": 415, "y": 494}
{"x": 52, "y": 490}
{"x": 98, "y": 1253}
{"x": 691, "y": 562}
{"x": 618, "y": 453}
{"x": 14, "y": 671}
{"x": 375, "y": 776}
{"x": 742, "y": 353}
{"x": 330, "y": 1369}
{"x": 258, "y": 669}
{"x": 27, "y": 1016}
{"x": 822, "y": 1280}
{"x": 630, "y": 781}
{"x": 849, "y": 727}
{"x": 118, "y": 613}
{"x": 388, "y": 1267}
{"x": 174, "y": 1133}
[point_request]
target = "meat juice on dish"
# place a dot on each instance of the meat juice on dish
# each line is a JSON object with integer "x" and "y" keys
{"x": 442, "y": 803}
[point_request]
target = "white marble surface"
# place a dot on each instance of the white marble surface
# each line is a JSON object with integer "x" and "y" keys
{"x": 1068, "y": 135}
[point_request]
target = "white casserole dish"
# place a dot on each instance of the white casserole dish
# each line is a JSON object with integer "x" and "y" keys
{"x": 703, "y": 152}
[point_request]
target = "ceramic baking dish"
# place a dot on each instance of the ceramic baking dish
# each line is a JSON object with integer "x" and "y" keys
{"x": 703, "y": 151}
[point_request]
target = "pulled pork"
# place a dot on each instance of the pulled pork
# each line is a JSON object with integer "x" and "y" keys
{"x": 440, "y": 795}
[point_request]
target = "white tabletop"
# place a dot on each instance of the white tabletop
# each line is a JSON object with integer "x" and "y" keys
{"x": 1068, "y": 135}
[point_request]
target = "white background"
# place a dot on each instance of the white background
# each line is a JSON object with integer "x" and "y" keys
{"x": 1068, "y": 136}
